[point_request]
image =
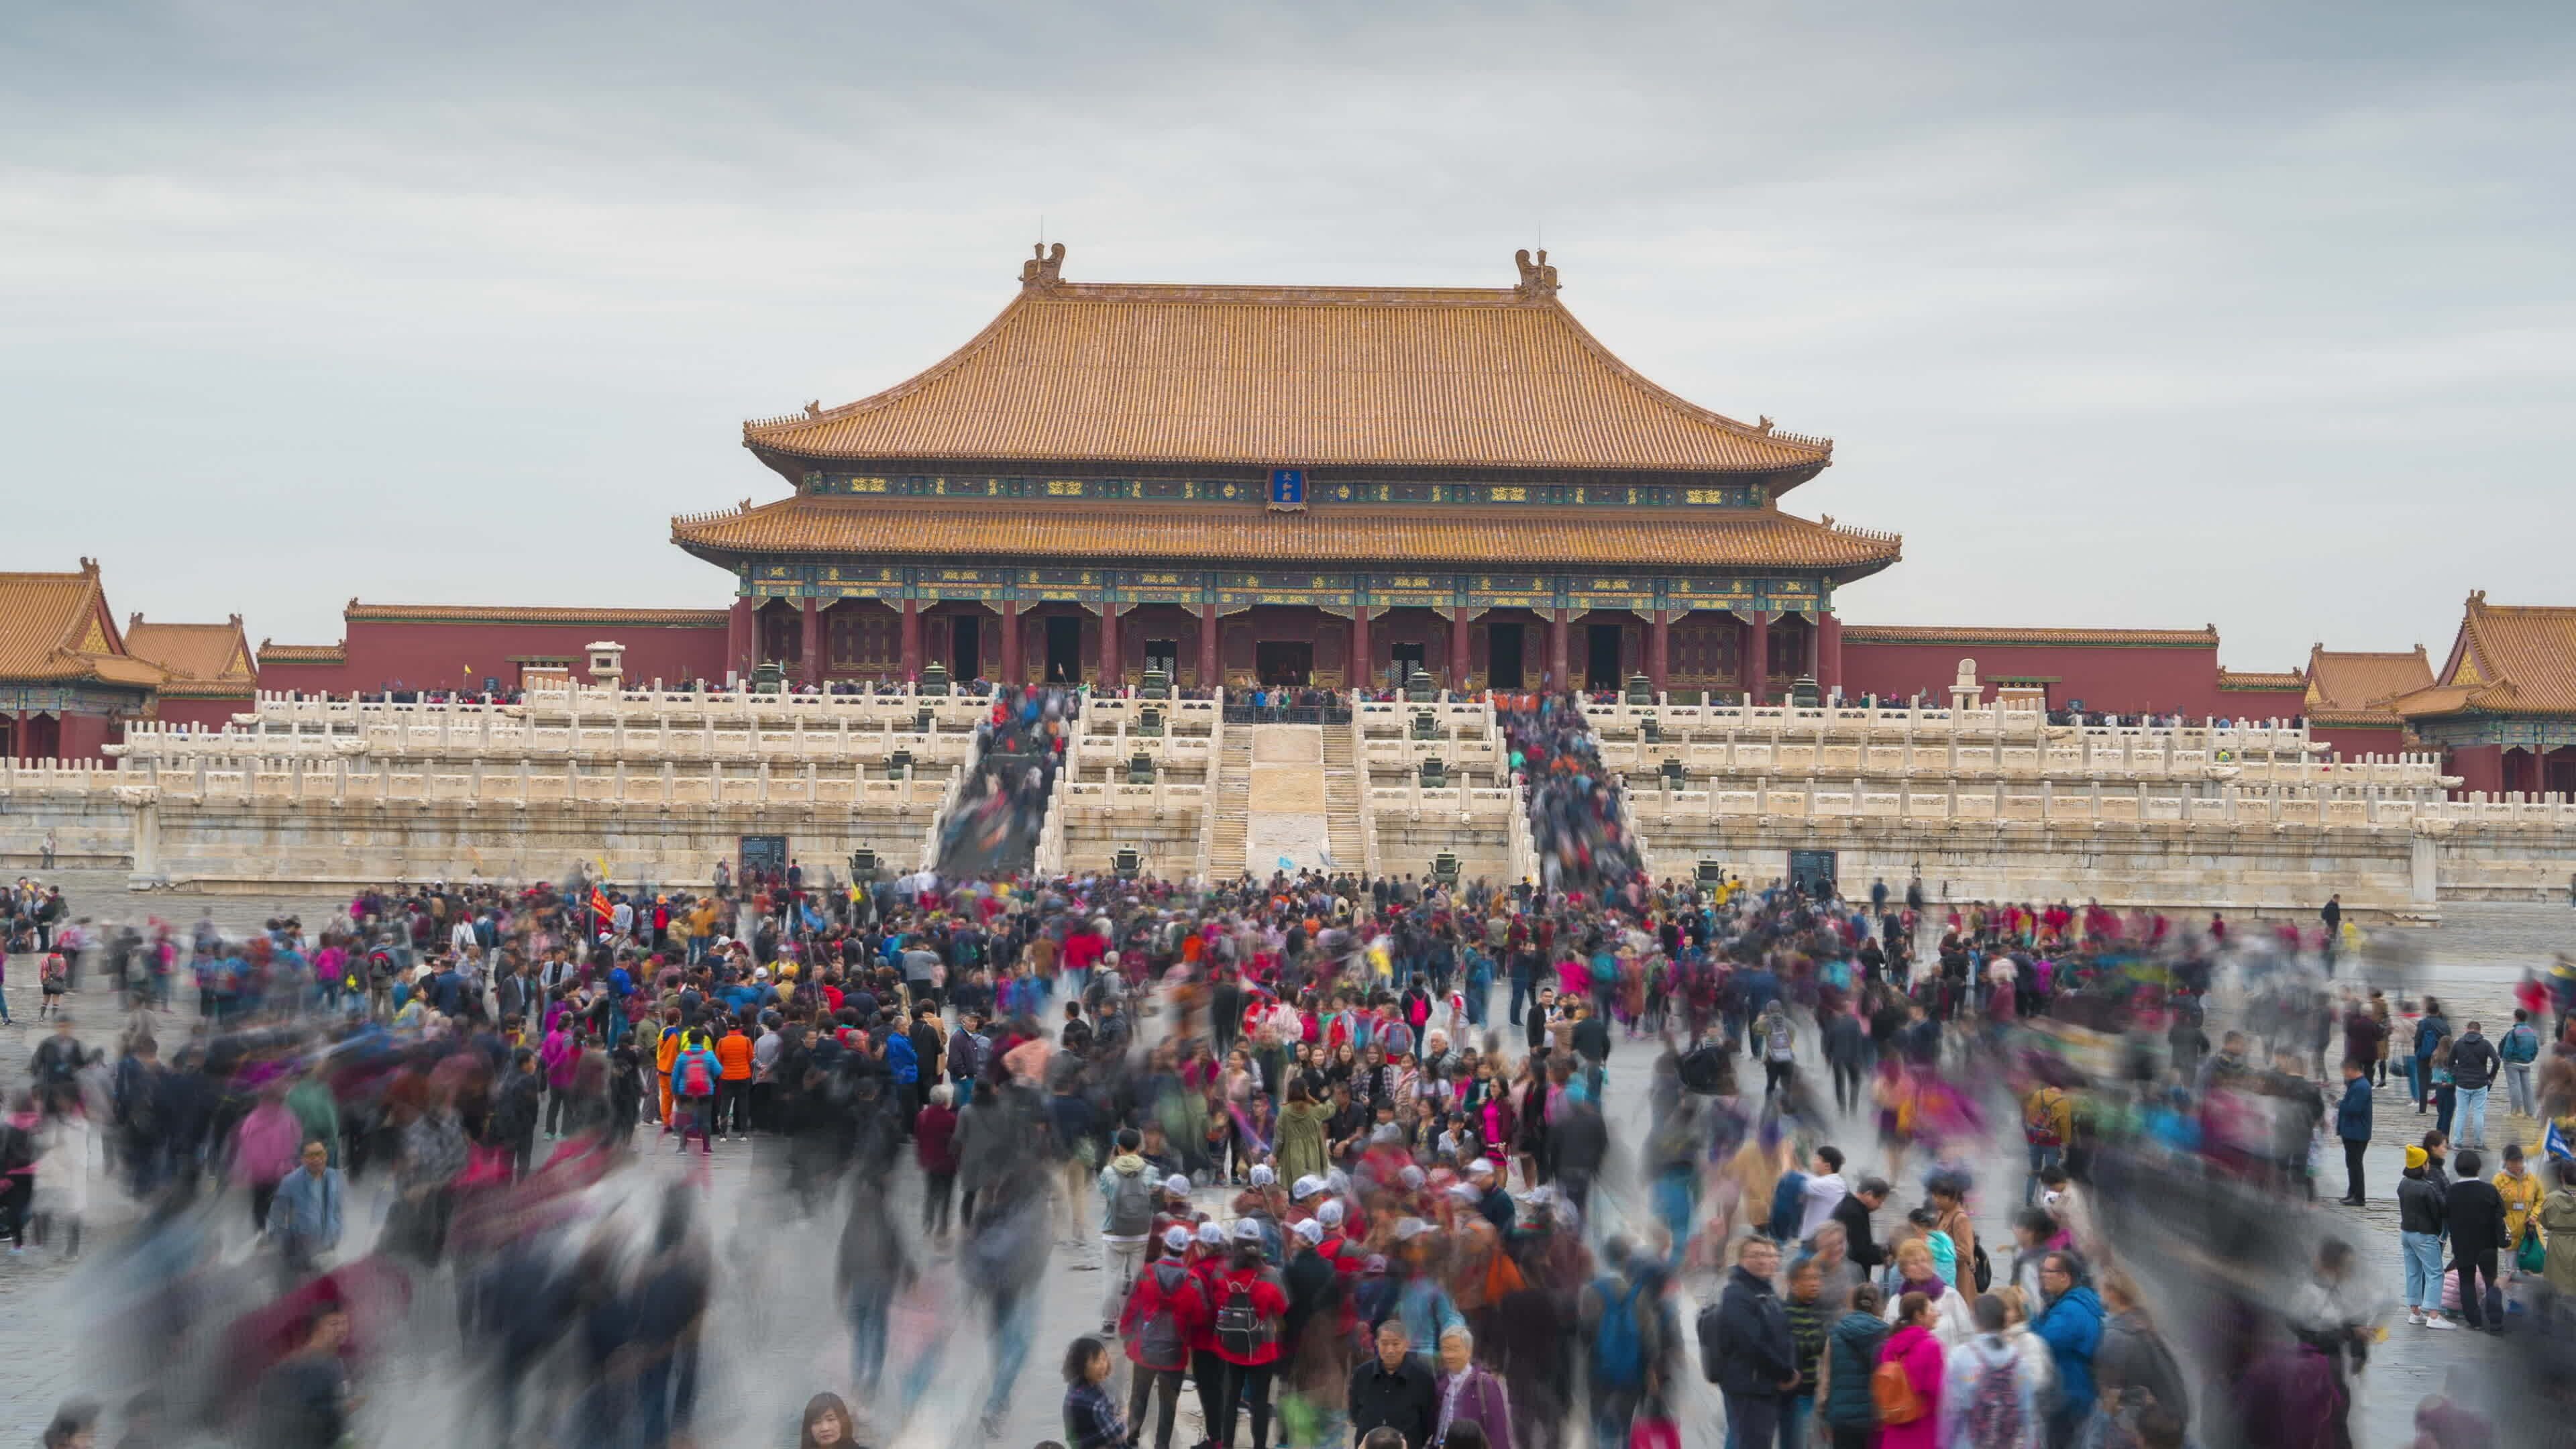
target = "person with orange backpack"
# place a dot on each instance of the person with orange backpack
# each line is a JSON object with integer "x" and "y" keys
{"x": 1165, "y": 1310}
{"x": 1907, "y": 1382}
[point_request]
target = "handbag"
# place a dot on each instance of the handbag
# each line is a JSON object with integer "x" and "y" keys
{"x": 2533, "y": 1255}
{"x": 1653, "y": 1428}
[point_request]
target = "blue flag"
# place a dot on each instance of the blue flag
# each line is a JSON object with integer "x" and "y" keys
{"x": 2554, "y": 1142}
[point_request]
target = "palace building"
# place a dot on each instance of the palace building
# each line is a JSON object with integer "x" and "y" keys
{"x": 1334, "y": 486}
{"x": 1287, "y": 485}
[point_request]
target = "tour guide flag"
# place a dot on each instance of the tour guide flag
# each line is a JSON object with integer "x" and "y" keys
{"x": 2554, "y": 1142}
{"x": 599, "y": 905}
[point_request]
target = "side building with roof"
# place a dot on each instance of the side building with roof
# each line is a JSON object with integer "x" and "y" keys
{"x": 2503, "y": 704}
{"x": 68, "y": 683}
{"x": 2350, "y": 696}
{"x": 208, "y": 673}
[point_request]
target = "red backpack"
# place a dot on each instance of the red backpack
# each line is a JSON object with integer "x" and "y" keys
{"x": 696, "y": 1080}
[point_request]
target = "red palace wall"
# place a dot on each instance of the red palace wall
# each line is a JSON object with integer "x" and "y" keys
{"x": 430, "y": 655}
{"x": 2353, "y": 742}
{"x": 2108, "y": 678}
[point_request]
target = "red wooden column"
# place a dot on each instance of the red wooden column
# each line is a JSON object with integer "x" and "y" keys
{"x": 1458, "y": 647}
{"x": 1112, "y": 672}
{"x": 1211, "y": 674}
{"x": 1362, "y": 667}
{"x": 1558, "y": 655}
{"x": 1829, "y": 654}
{"x": 1659, "y": 648}
{"x": 810, "y": 645}
{"x": 1756, "y": 663}
{"x": 911, "y": 639}
{"x": 1012, "y": 675}
{"x": 740, "y": 640}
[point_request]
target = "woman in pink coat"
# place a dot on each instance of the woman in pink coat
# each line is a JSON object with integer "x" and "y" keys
{"x": 1914, "y": 1346}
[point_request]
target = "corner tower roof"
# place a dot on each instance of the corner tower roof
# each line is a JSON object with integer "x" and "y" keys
{"x": 1396, "y": 377}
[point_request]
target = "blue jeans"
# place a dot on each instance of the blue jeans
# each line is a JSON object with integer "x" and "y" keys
{"x": 2421, "y": 1079}
{"x": 2423, "y": 1270}
{"x": 1793, "y": 1420}
{"x": 870, "y": 1301}
{"x": 1014, "y": 1322}
{"x": 2473, "y": 1114}
{"x": 2041, "y": 1159}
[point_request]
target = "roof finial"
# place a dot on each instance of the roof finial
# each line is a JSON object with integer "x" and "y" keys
{"x": 1044, "y": 270}
{"x": 1538, "y": 279}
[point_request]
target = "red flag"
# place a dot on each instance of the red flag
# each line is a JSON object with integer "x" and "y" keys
{"x": 599, "y": 905}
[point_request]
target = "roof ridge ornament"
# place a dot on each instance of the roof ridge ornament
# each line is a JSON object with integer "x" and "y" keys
{"x": 1045, "y": 271}
{"x": 1538, "y": 279}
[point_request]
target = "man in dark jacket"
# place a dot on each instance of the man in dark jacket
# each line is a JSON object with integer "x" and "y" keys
{"x": 2474, "y": 1212}
{"x": 1745, "y": 1348}
{"x": 1853, "y": 1213}
{"x": 2474, "y": 1064}
{"x": 2352, "y": 1124}
{"x": 1394, "y": 1390}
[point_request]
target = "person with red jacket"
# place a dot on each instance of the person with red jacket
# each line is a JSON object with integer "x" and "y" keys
{"x": 1245, "y": 1314}
{"x": 1165, "y": 1310}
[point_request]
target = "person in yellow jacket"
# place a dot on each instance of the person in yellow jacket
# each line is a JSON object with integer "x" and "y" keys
{"x": 2521, "y": 1190}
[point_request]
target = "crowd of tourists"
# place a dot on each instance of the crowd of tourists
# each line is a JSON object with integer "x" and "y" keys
{"x": 1338, "y": 1187}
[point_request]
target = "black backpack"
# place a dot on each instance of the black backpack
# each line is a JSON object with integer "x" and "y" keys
{"x": 1709, "y": 1071}
{"x": 1241, "y": 1330}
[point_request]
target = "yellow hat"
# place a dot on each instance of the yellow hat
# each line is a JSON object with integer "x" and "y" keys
{"x": 2415, "y": 1157}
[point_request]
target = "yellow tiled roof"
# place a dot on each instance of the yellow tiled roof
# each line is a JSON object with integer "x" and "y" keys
{"x": 1451, "y": 377}
{"x": 2261, "y": 679}
{"x": 2508, "y": 659}
{"x": 201, "y": 653}
{"x": 2201, "y": 638}
{"x": 1211, "y": 535}
{"x": 302, "y": 653}
{"x": 2353, "y": 687}
{"x": 56, "y": 627}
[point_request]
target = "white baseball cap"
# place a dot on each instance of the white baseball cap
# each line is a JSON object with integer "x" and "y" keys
{"x": 1312, "y": 1230}
{"x": 1176, "y": 1239}
{"x": 1330, "y": 1214}
{"x": 1246, "y": 1231}
{"x": 1262, "y": 1176}
{"x": 1306, "y": 1186}
{"x": 1177, "y": 1185}
{"x": 1212, "y": 1235}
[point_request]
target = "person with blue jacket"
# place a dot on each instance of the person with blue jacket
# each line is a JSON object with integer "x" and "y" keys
{"x": 2352, "y": 1124}
{"x": 2072, "y": 1329}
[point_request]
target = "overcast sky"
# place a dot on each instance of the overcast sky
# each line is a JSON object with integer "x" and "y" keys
{"x": 2143, "y": 316}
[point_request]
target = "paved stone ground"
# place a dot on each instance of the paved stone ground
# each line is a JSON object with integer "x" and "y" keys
{"x": 776, "y": 1337}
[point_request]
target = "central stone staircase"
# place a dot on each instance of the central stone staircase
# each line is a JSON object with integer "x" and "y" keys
{"x": 1345, "y": 786}
{"x": 1231, "y": 780}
